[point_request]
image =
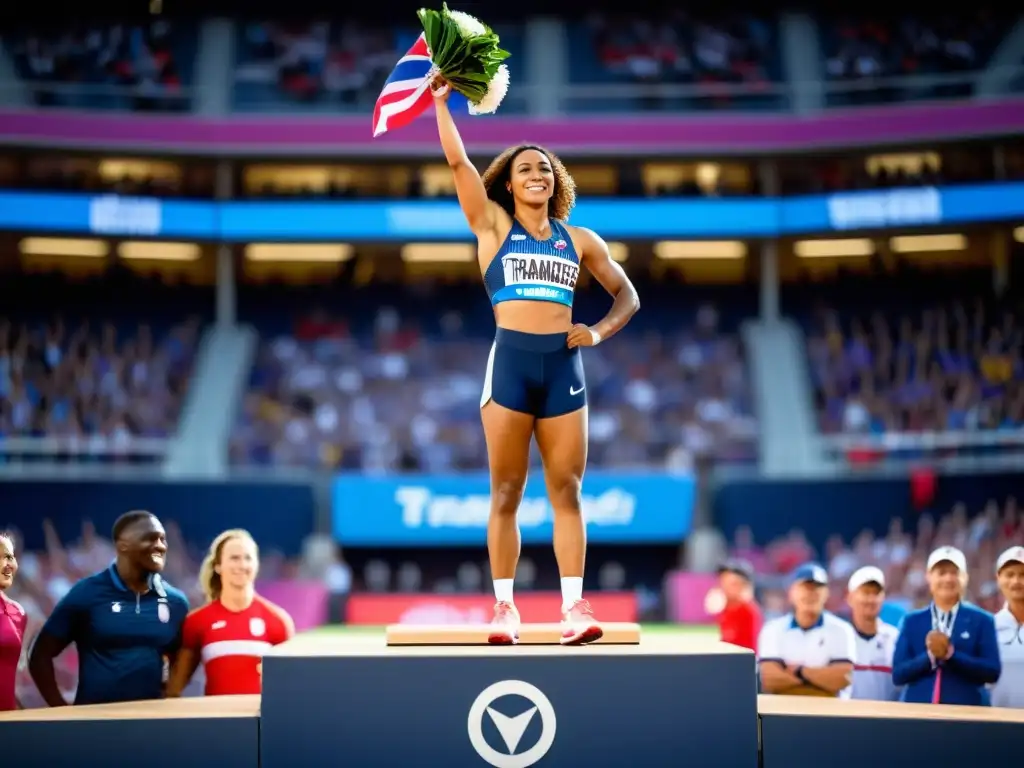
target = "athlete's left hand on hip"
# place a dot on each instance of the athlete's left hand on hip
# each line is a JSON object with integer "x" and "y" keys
{"x": 583, "y": 336}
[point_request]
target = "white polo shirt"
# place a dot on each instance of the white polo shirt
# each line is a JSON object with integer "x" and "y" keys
{"x": 1008, "y": 691}
{"x": 872, "y": 666}
{"x": 828, "y": 641}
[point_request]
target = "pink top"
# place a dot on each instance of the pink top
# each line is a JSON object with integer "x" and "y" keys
{"x": 12, "y": 631}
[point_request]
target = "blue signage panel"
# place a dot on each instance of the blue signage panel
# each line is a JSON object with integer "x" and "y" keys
{"x": 428, "y": 220}
{"x": 441, "y": 220}
{"x": 109, "y": 215}
{"x": 452, "y": 510}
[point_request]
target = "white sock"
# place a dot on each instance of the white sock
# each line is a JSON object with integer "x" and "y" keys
{"x": 572, "y": 590}
{"x": 503, "y": 590}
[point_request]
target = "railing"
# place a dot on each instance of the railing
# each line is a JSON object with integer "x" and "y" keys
{"x": 573, "y": 98}
{"x": 925, "y": 441}
{"x": 72, "y": 95}
{"x": 94, "y": 448}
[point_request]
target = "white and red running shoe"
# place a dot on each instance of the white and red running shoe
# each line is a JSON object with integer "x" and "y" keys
{"x": 579, "y": 626}
{"x": 504, "y": 625}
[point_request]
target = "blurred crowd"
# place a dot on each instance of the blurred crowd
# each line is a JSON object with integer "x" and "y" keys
{"x": 142, "y": 57}
{"x": 92, "y": 389}
{"x": 686, "y": 47}
{"x": 902, "y": 554}
{"x": 400, "y": 397}
{"x": 341, "y": 65}
{"x": 954, "y": 366}
{"x": 868, "y": 48}
{"x": 326, "y": 62}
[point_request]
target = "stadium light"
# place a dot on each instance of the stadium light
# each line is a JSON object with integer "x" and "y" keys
{"x": 438, "y": 253}
{"x": 825, "y": 249}
{"x": 309, "y": 253}
{"x": 674, "y": 250}
{"x": 140, "y": 250}
{"x": 64, "y": 246}
{"x": 928, "y": 243}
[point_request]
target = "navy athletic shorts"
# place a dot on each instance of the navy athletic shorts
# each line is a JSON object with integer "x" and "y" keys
{"x": 534, "y": 373}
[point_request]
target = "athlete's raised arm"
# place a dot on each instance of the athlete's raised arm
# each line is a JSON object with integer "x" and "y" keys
{"x": 477, "y": 208}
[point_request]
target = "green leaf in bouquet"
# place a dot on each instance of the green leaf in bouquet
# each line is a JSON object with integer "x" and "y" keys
{"x": 467, "y": 63}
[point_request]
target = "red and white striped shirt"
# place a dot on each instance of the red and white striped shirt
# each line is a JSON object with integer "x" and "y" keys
{"x": 872, "y": 669}
{"x": 231, "y": 644}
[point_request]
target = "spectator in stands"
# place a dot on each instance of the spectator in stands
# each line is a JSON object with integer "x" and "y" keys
{"x": 947, "y": 653}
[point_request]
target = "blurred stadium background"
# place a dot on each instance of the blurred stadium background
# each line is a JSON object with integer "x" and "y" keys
{"x": 292, "y": 338}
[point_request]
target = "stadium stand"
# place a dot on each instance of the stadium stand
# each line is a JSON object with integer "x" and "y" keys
{"x": 863, "y": 50}
{"x": 89, "y": 373}
{"x": 141, "y": 66}
{"x": 393, "y": 383}
{"x": 680, "y": 48}
{"x": 324, "y": 65}
{"x": 919, "y": 365}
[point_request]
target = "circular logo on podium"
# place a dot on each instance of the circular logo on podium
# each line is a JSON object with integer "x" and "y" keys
{"x": 511, "y": 727}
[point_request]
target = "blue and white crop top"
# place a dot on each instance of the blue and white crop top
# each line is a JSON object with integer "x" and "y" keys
{"x": 527, "y": 269}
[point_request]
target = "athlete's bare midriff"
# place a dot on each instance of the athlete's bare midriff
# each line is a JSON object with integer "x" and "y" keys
{"x": 526, "y": 316}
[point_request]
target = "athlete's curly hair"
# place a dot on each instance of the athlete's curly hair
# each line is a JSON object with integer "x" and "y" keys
{"x": 498, "y": 174}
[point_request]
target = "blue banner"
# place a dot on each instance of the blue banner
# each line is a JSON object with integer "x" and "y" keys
{"x": 404, "y": 221}
{"x": 452, "y": 510}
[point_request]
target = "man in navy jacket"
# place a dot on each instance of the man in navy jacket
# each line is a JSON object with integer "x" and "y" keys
{"x": 947, "y": 652}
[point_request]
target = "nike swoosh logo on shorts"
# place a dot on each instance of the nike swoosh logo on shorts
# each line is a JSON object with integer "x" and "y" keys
{"x": 577, "y": 391}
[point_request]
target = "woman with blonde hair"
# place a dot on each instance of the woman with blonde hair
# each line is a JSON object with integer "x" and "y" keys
{"x": 230, "y": 634}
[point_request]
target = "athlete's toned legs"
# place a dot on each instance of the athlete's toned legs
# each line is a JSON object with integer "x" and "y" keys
{"x": 562, "y": 441}
{"x": 508, "y": 434}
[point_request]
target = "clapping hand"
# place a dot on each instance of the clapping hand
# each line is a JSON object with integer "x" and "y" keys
{"x": 937, "y": 644}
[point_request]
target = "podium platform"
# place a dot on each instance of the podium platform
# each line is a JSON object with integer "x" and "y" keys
{"x": 884, "y": 734}
{"x": 666, "y": 701}
{"x": 195, "y": 732}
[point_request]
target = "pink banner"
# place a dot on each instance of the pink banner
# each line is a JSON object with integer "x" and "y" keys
{"x": 305, "y": 601}
{"x": 584, "y": 134}
{"x": 685, "y": 593}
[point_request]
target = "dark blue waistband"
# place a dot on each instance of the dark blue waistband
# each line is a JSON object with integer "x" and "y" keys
{"x": 531, "y": 342}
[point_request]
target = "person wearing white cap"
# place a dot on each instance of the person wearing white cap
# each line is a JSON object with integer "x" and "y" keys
{"x": 946, "y": 653}
{"x": 1009, "y": 690}
{"x": 876, "y": 640}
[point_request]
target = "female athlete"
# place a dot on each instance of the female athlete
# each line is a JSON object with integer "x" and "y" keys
{"x": 534, "y": 384}
{"x": 230, "y": 634}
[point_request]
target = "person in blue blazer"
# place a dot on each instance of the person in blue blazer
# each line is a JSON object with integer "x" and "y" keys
{"x": 947, "y": 653}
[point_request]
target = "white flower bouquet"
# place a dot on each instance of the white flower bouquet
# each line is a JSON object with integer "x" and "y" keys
{"x": 465, "y": 52}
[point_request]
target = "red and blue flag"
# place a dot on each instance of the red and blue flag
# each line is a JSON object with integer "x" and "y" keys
{"x": 406, "y": 93}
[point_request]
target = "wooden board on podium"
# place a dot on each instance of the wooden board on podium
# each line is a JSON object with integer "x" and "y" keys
{"x": 476, "y": 634}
